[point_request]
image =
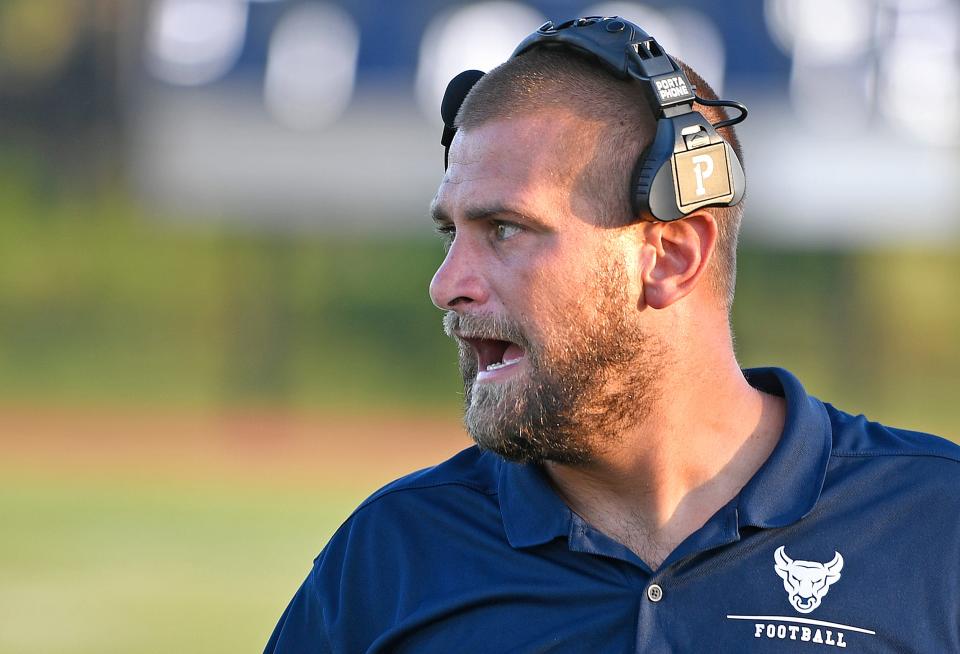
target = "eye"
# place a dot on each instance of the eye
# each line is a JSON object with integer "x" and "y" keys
{"x": 446, "y": 232}
{"x": 505, "y": 230}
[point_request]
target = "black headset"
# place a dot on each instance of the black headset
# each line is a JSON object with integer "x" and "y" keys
{"x": 688, "y": 165}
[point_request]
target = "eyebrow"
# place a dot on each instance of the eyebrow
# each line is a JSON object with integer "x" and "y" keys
{"x": 486, "y": 212}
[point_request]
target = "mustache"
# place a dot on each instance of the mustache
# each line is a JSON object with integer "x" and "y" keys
{"x": 486, "y": 326}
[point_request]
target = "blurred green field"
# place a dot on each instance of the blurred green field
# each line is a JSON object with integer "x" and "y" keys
{"x": 104, "y": 304}
{"x": 122, "y": 566}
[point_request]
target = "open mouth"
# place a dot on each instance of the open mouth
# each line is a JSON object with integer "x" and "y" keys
{"x": 494, "y": 356}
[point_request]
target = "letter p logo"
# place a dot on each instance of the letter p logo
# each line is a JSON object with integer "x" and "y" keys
{"x": 703, "y": 169}
{"x": 701, "y": 175}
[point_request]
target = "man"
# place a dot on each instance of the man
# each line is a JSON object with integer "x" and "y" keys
{"x": 632, "y": 488}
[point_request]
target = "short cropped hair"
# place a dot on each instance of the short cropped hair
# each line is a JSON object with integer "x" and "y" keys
{"x": 547, "y": 78}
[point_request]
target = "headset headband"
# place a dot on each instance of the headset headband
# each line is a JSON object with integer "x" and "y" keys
{"x": 687, "y": 165}
{"x": 624, "y": 50}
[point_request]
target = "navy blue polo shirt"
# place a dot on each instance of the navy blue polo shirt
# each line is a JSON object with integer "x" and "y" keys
{"x": 847, "y": 537}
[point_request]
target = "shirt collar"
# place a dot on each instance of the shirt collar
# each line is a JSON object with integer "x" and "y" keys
{"x": 784, "y": 489}
{"x": 788, "y": 484}
{"x": 532, "y": 511}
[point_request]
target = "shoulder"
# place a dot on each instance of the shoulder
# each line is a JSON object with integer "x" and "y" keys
{"x": 400, "y": 542}
{"x": 857, "y": 436}
{"x": 470, "y": 472}
{"x": 420, "y": 510}
{"x": 901, "y": 483}
{"x": 389, "y": 549}
{"x": 919, "y": 467}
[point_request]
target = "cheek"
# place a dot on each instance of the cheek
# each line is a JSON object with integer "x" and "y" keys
{"x": 525, "y": 278}
{"x": 545, "y": 289}
{"x": 563, "y": 283}
{"x": 561, "y": 302}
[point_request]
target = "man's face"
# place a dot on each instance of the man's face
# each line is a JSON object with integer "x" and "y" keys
{"x": 542, "y": 300}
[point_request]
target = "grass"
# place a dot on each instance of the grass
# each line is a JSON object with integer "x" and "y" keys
{"x": 132, "y": 565}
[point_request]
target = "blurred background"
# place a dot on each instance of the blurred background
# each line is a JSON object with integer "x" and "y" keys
{"x": 215, "y": 335}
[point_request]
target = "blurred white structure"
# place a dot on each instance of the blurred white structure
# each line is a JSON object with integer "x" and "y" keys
{"x": 477, "y": 36}
{"x": 311, "y": 66}
{"x": 193, "y": 42}
{"x": 858, "y": 146}
{"x": 919, "y": 91}
{"x": 855, "y": 59}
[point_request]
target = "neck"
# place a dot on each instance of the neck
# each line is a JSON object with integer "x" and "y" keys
{"x": 692, "y": 453}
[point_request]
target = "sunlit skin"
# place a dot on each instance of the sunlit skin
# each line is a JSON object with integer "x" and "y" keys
{"x": 525, "y": 244}
{"x": 515, "y": 234}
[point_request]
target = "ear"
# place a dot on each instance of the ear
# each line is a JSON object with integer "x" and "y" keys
{"x": 675, "y": 258}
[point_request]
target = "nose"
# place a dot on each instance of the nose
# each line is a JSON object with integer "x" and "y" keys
{"x": 458, "y": 281}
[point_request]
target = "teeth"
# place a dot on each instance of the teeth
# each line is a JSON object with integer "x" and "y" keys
{"x": 503, "y": 364}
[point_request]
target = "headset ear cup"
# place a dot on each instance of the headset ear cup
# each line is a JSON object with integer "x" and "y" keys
{"x": 640, "y": 181}
{"x": 656, "y": 192}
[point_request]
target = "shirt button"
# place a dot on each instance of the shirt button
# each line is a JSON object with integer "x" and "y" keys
{"x": 654, "y": 593}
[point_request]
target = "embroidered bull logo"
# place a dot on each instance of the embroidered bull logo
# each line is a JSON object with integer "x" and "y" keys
{"x": 806, "y": 581}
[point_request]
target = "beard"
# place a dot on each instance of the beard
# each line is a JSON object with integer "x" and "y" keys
{"x": 584, "y": 384}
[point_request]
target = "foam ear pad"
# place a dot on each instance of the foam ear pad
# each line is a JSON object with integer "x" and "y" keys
{"x": 455, "y": 94}
{"x": 453, "y": 97}
{"x": 652, "y": 182}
